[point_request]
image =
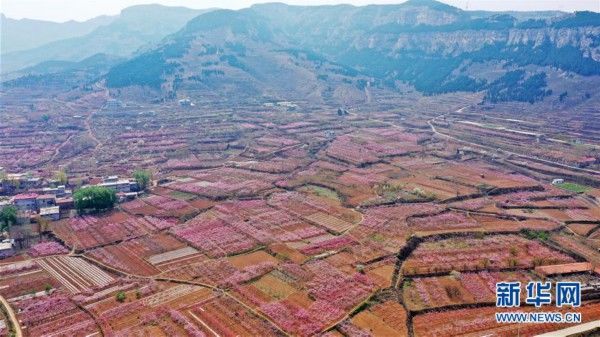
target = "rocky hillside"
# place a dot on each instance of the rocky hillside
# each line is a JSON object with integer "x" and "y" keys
{"x": 341, "y": 52}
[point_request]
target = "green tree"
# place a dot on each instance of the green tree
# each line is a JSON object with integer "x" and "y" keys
{"x": 94, "y": 198}
{"x": 143, "y": 178}
{"x": 8, "y": 217}
{"x": 121, "y": 296}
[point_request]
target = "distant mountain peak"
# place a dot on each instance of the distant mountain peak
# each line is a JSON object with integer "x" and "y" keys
{"x": 244, "y": 22}
{"x": 432, "y": 4}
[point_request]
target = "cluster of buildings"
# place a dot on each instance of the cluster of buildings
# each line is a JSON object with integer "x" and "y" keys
{"x": 36, "y": 197}
{"x": 45, "y": 202}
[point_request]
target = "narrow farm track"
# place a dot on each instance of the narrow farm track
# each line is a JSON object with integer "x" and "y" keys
{"x": 11, "y": 316}
{"x": 167, "y": 279}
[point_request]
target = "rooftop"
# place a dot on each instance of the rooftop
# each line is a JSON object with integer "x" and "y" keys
{"x": 50, "y": 210}
{"x": 25, "y": 196}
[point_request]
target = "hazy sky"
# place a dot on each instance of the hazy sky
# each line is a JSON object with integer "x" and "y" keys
{"x": 64, "y": 10}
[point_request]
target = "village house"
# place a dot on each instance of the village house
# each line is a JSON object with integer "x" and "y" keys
{"x": 26, "y": 201}
{"x": 59, "y": 191}
{"x": 45, "y": 200}
{"x": 16, "y": 182}
{"x": 7, "y": 248}
{"x": 119, "y": 185}
{"x": 65, "y": 203}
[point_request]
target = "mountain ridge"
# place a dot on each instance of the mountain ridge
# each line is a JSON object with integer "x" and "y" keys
{"x": 276, "y": 50}
{"x": 134, "y": 28}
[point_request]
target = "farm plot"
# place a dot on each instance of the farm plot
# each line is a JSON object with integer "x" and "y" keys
{"x": 427, "y": 184}
{"x": 480, "y": 174}
{"x": 490, "y": 252}
{"x": 47, "y": 248}
{"x": 386, "y": 229}
{"x": 379, "y": 240}
{"x": 226, "y": 182}
{"x": 447, "y": 221}
{"x": 219, "y": 272}
{"x": 171, "y": 255}
{"x": 387, "y": 319}
{"x": 415, "y": 162}
{"x": 301, "y": 319}
{"x": 146, "y": 246}
{"x": 572, "y": 215}
{"x": 236, "y": 226}
{"x": 353, "y": 194}
{"x": 332, "y": 223}
{"x": 168, "y": 295}
{"x": 305, "y": 299}
{"x": 569, "y": 268}
{"x": 169, "y": 207}
{"x": 223, "y": 316}
{"x": 330, "y": 244}
{"x": 16, "y": 285}
{"x": 472, "y": 204}
{"x": 194, "y": 163}
{"x": 76, "y": 274}
{"x": 264, "y": 223}
{"x": 388, "y": 217}
{"x": 339, "y": 289}
{"x": 121, "y": 257}
{"x": 322, "y": 211}
{"x": 577, "y": 246}
{"x": 18, "y": 267}
{"x": 149, "y": 306}
{"x": 213, "y": 236}
{"x": 54, "y": 315}
{"x": 463, "y": 288}
{"x": 273, "y": 165}
{"x": 583, "y": 229}
{"x": 549, "y": 195}
{"x": 274, "y": 286}
{"x": 381, "y": 273}
{"x": 138, "y": 207}
{"x": 502, "y": 224}
{"x": 90, "y": 231}
{"x": 368, "y": 146}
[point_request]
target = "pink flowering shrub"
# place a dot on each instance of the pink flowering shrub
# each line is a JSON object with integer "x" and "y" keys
{"x": 328, "y": 245}
{"x": 47, "y": 248}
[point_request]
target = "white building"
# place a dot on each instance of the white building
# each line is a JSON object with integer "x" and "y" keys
{"x": 119, "y": 185}
{"x": 7, "y": 248}
{"x": 50, "y": 213}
